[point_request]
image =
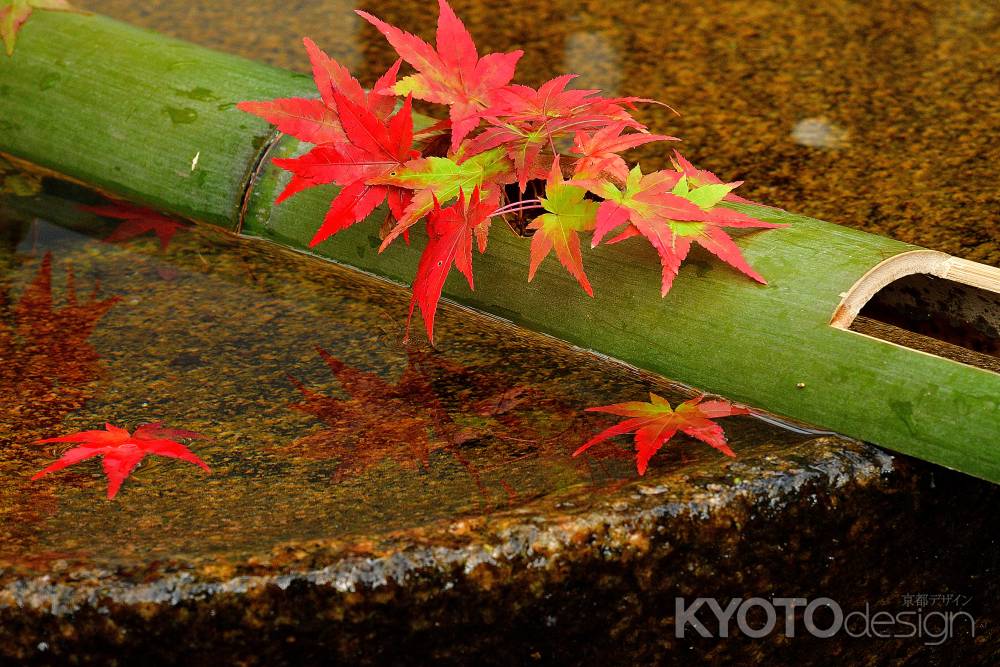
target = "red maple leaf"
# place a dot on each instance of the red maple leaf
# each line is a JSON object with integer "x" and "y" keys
{"x": 317, "y": 121}
{"x": 567, "y": 213}
{"x": 525, "y": 121}
{"x": 562, "y": 109}
{"x": 123, "y": 451}
{"x": 453, "y": 73}
{"x": 136, "y": 220}
{"x": 599, "y": 152}
{"x": 449, "y": 233}
{"x": 654, "y": 423}
{"x": 671, "y": 215}
{"x": 374, "y": 147}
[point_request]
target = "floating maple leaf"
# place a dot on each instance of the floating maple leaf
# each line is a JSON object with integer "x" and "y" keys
{"x": 136, "y": 221}
{"x": 14, "y": 13}
{"x": 46, "y": 364}
{"x": 671, "y": 215}
{"x": 123, "y": 451}
{"x": 452, "y": 74}
{"x": 654, "y": 423}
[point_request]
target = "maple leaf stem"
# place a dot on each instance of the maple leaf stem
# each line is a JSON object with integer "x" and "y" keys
{"x": 518, "y": 206}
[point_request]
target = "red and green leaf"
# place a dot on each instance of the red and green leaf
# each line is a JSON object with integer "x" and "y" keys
{"x": 568, "y": 213}
{"x": 441, "y": 179}
{"x": 699, "y": 177}
{"x": 670, "y": 215}
{"x": 655, "y": 423}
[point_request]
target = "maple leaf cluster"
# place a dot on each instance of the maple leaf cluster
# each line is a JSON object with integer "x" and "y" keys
{"x": 458, "y": 173}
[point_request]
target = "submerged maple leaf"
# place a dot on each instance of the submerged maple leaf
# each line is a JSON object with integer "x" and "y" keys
{"x": 136, "y": 221}
{"x": 123, "y": 451}
{"x": 46, "y": 364}
{"x": 654, "y": 423}
{"x": 453, "y": 73}
{"x": 402, "y": 421}
{"x": 14, "y": 13}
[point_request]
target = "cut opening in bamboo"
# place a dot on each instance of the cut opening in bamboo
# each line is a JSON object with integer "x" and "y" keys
{"x": 931, "y": 302}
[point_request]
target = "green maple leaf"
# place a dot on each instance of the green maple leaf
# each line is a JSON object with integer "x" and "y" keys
{"x": 14, "y": 13}
{"x": 441, "y": 179}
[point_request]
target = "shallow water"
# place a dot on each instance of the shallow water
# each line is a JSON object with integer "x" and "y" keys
{"x": 322, "y": 423}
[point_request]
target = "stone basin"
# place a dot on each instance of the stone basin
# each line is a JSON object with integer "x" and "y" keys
{"x": 371, "y": 501}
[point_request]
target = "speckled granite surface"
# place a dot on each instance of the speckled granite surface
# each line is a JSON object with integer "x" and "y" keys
{"x": 882, "y": 116}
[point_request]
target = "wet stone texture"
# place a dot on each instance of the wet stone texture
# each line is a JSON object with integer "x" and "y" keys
{"x": 375, "y": 502}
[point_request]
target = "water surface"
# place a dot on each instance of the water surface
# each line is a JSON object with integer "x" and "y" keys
{"x": 322, "y": 422}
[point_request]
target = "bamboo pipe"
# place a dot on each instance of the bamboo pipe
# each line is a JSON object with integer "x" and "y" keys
{"x": 152, "y": 119}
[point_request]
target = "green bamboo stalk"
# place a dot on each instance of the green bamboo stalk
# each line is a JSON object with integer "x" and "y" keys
{"x": 92, "y": 99}
{"x": 127, "y": 111}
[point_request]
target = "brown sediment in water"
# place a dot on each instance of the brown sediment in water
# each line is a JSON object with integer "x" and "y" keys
{"x": 878, "y": 116}
{"x": 322, "y": 423}
{"x": 472, "y": 534}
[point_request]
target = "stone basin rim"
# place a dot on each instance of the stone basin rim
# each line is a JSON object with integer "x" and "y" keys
{"x": 528, "y": 533}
